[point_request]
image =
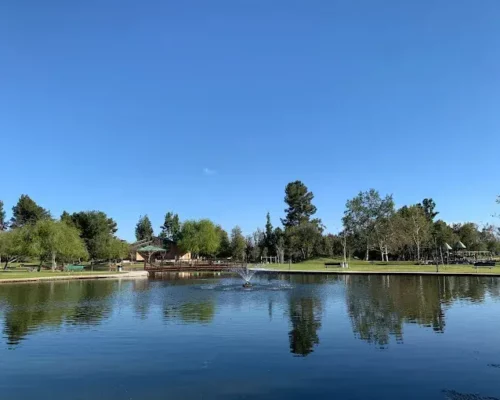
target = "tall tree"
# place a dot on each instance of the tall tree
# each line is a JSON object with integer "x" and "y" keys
{"x": 299, "y": 201}
{"x": 96, "y": 229}
{"x": 469, "y": 235}
{"x": 171, "y": 227}
{"x": 269, "y": 237}
{"x": 428, "y": 205}
{"x": 11, "y": 246}
{"x": 144, "y": 229}
{"x": 414, "y": 225}
{"x": 238, "y": 244}
{"x": 303, "y": 239}
{"x": 26, "y": 211}
{"x": 54, "y": 241}
{"x": 367, "y": 216}
{"x": 200, "y": 237}
{"x": 3, "y": 222}
{"x": 279, "y": 244}
{"x": 225, "y": 245}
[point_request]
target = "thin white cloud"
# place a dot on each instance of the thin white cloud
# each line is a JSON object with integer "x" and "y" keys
{"x": 208, "y": 171}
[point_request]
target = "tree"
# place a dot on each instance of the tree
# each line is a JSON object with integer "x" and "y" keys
{"x": 414, "y": 225}
{"x": 3, "y": 222}
{"x": 443, "y": 234}
{"x": 468, "y": 233}
{"x": 428, "y": 205}
{"x": 303, "y": 239}
{"x": 279, "y": 244}
{"x": 144, "y": 229}
{"x": 96, "y": 229}
{"x": 368, "y": 216}
{"x": 11, "y": 246}
{"x": 117, "y": 249}
{"x": 225, "y": 245}
{"x": 54, "y": 241}
{"x": 299, "y": 201}
{"x": 26, "y": 211}
{"x": 171, "y": 228}
{"x": 238, "y": 244}
{"x": 200, "y": 237}
{"x": 269, "y": 237}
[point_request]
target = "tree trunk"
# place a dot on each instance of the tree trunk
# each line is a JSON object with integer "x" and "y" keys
{"x": 367, "y": 258}
{"x": 54, "y": 265}
{"x": 6, "y": 265}
{"x": 418, "y": 251}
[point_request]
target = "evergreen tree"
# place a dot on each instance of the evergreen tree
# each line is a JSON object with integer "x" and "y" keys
{"x": 144, "y": 229}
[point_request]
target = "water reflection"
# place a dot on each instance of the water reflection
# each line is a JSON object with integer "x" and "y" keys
{"x": 30, "y": 307}
{"x": 305, "y": 318}
{"x": 378, "y": 306}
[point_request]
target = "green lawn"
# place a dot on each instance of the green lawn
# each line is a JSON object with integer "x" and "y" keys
{"x": 18, "y": 274}
{"x": 378, "y": 266}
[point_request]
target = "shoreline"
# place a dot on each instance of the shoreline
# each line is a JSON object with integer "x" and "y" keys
{"x": 347, "y": 272}
{"x": 119, "y": 275}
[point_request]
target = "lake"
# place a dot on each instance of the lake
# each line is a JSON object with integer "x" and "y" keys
{"x": 289, "y": 337}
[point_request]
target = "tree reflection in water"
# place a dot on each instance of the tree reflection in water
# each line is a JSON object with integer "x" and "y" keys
{"x": 379, "y": 305}
{"x": 49, "y": 305}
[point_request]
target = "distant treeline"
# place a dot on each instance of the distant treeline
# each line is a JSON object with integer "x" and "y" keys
{"x": 372, "y": 229}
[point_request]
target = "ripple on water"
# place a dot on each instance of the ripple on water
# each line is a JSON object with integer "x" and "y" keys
{"x": 454, "y": 395}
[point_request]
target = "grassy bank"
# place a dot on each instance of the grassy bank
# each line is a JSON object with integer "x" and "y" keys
{"x": 18, "y": 274}
{"x": 364, "y": 266}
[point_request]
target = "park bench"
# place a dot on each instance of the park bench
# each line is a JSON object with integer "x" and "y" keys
{"x": 333, "y": 264}
{"x": 74, "y": 268}
{"x": 485, "y": 264}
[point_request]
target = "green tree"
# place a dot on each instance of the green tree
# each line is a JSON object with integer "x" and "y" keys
{"x": 3, "y": 222}
{"x": 238, "y": 244}
{"x": 118, "y": 249}
{"x": 54, "y": 241}
{"x": 225, "y": 245}
{"x": 468, "y": 233}
{"x": 96, "y": 229}
{"x": 200, "y": 237}
{"x": 414, "y": 228}
{"x": 144, "y": 229}
{"x": 11, "y": 246}
{"x": 269, "y": 237}
{"x": 443, "y": 234}
{"x": 279, "y": 244}
{"x": 299, "y": 201}
{"x": 171, "y": 227}
{"x": 428, "y": 205}
{"x": 66, "y": 218}
{"x": 26, "y": 211}
{"x": 303, "y": 239}
{"x": 367, "y": 217}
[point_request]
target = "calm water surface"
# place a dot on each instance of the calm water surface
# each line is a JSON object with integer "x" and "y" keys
{"x": 291, "y": 337}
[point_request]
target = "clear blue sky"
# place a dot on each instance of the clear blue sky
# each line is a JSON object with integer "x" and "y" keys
{"x": 209, "y": 108}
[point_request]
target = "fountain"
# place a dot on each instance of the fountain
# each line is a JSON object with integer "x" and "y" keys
{"x": 245, "y": 273}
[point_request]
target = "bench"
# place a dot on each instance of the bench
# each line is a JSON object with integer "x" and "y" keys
{"x": 485, "y": 264}
{"x": 333, "y": 264}
{"x": 74, "y": 268}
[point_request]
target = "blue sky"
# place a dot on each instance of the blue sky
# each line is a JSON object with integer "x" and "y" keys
{"x": 209, "y": 108}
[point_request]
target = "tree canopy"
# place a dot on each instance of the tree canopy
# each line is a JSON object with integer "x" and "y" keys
{"x": 171, "y": 228}
{"x": 200, "y": 237}
{"x": 3, "y": 222}
{"x": 299, "y": 201}
{"x": 144, "y": 229}
{"x": 26, "y": 211}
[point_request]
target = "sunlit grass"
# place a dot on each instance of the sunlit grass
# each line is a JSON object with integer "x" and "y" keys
{"x": 378, "y": 266}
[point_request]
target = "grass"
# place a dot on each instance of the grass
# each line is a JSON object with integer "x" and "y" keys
{"x": 364, "y": 266}
{"x": 20, "y": 274}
